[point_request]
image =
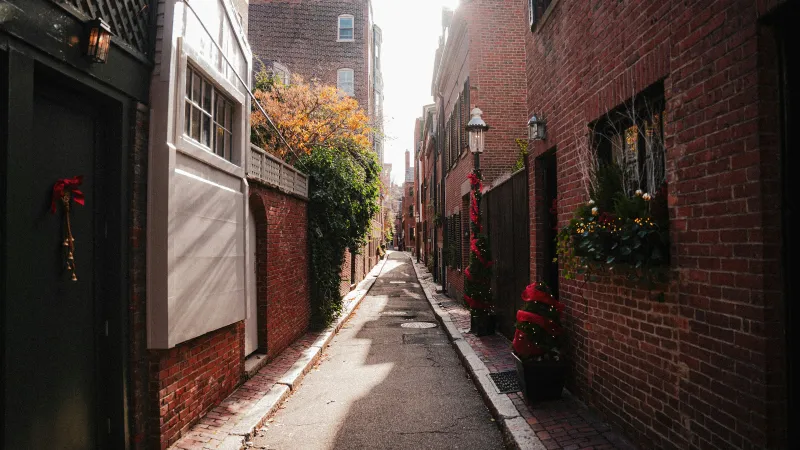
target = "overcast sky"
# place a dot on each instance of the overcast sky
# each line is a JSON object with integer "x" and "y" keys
{"x": 411, "y": 30}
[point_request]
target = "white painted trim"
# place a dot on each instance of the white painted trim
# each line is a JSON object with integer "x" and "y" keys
{"x": 339, "y": 28}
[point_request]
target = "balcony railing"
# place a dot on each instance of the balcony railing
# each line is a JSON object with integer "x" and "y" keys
{"x": 267, "y": 169}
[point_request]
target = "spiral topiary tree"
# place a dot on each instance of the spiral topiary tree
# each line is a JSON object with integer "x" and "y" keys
{"x": 539, "y": 329}
{"x": 478, "y": 283}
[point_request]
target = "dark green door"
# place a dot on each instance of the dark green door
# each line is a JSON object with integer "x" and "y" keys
{"x": 55, "y": 377}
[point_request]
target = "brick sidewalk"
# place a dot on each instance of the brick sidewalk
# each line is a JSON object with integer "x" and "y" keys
{"x": 213, "y": 431}
{"x": 561, "y": 424}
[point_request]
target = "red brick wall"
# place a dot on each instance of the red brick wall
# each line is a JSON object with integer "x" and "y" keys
{"x": 190, "y": 379}
{"x": 282, "y": 265}
{"x": 485, "y": 43}
{"x": 703, "y": 369}
{"x": 302, "y": 34}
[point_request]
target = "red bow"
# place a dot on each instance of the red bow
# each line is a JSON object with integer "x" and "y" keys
{"x": 67, "y": 185}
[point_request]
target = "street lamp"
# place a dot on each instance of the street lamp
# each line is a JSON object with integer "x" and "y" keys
{"x": 477, "y": 128}
{"x": 537, "y": 128}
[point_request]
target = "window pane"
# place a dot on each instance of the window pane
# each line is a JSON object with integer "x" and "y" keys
{"x": 218, "y": 134}
{"x": 207, "y": 96}
{"x": 195, "y": 124}
{"x": 187, "y": 118}
{"x": 195, "y": 87}
{"x": 346, "y": 33}
{"x": 229, "y": 146}
{"x": 228, "y": 114}
{"x": 206, "y": 132}
{"x": 345, "y": 22}
{"x": 188, "y": 82}
{"x": 219, "y": 114}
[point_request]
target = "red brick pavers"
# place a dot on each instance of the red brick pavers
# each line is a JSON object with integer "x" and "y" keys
{"x": 562, "y": 424}
{"x": 215, "y": 426}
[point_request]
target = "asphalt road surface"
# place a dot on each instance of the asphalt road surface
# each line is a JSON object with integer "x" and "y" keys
{"x": 380, "y": 385}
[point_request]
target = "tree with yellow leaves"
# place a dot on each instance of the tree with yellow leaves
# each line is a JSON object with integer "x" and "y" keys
{"x": 307, "y": 114}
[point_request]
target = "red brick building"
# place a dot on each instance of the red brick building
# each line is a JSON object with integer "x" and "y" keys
{"x": 334, "y": 41}
{"x": 424, "y": 179}
{"x": 480, "y": 63}
{"x": 706, "y": 368}
{"x": 408, "y": 224}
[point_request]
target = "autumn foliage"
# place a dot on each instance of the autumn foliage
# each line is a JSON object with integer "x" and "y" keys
{"x": 307, "y": 114}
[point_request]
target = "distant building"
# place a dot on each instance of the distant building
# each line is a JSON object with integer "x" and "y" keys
{"x": 333, "y": 41}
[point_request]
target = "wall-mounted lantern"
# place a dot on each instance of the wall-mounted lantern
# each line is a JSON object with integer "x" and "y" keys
{"x": 537, "y": 128}
{"x": 99, "y": 39}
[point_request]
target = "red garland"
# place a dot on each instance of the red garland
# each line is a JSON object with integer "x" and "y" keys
{"x": 67, "y": 185}
{"x": 548, "y": 325}
{"x": 476, "y": 304}
{"x": 532, "y": 294}
{"x": 523, "y": 346}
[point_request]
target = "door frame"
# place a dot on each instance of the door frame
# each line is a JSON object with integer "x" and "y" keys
{"x": 22, "y": 62}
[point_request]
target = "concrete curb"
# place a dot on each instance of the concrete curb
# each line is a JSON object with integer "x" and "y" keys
{"x": 514, "y": 427}
{"x": 267, "y": 405}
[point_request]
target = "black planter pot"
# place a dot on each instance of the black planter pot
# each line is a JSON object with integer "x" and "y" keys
{"x": 541, "y": 380}
{"x": 481, "y": 324}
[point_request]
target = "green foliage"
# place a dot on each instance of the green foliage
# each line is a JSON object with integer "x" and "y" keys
{"x": 343, "y": 199}
{"x": 523, "y": 153}
{"x": 614, "y": 232}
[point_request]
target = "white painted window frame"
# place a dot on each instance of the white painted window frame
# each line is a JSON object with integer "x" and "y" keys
{"x": 339, "y": 28}
{"x": 184, "y": 143}
{"x": 352, "y": 80}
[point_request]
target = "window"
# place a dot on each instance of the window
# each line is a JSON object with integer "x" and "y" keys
{"x": 345, "y": 81}
{"x": 345, "y": 28}
{"x": 208, "y": 115}
{"x": 632, "y": 136}
{"x": 536, "y": 9}
{"x": 410, "y": 192}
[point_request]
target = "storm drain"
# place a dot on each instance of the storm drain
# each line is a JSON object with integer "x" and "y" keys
{"x": 505, "y": 382}
{"x": 418, "y": 325}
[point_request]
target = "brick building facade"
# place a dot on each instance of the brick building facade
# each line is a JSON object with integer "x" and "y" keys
{"x": 408, "y": 224}
{"x": 480, "y": 63}
{"x": 706, "y": 368}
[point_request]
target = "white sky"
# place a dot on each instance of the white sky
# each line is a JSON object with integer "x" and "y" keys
{"x": 411, "y": 30}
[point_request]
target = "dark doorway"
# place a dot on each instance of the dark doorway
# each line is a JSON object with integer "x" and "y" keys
{"x": 547, "y": 212}
{"x": 60, "y": 375}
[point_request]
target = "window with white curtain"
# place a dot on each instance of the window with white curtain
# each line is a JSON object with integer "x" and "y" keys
{"x": 345, "y": 81}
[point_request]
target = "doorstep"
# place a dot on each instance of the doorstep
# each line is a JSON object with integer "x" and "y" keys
{"x": 232, "y": 423}
{"x": 560, "y": 424}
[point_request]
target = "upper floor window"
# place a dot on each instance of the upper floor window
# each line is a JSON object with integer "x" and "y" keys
{"x": 346, "y": 28}
{"x": 208, "y": 115}
{"x": 536, "y": 9}
{"x": 345, "y": 81}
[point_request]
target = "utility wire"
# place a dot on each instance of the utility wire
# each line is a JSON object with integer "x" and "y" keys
{"x": 246, "y": 87}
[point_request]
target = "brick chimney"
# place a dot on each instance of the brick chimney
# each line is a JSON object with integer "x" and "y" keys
{"x": 408, "y": 160}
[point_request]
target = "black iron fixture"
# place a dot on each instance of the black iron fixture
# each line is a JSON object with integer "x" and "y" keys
{"x": 99, "y": 38}
{"x": 537, "y": 128}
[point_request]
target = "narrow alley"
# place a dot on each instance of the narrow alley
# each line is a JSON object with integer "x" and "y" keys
{"x": 386, "y": 381}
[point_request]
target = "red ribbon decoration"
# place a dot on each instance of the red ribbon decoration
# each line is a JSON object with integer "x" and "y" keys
{"x": 67, "y": 185}
{"x": 533, "y": 294}
{"x": 476, "y": 304}
{"x": 548, "y": 325}
{"x": 523, "y": 346}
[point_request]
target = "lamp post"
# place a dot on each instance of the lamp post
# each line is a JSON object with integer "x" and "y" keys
{"x": 477, "y": 128}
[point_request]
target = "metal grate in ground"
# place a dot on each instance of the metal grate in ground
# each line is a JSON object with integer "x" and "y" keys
{"x": 505, "y": 382}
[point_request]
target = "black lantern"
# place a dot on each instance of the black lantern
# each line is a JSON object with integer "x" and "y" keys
{"x": 99, "y": 39}
{"x": 477, "y": 131}
{"x": 537, "y": 128}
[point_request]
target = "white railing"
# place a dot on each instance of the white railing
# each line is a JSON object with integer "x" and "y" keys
{"x": 267, "y": 169}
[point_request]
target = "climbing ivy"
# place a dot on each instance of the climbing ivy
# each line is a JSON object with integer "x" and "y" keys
{"x": 343, "y": 198}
